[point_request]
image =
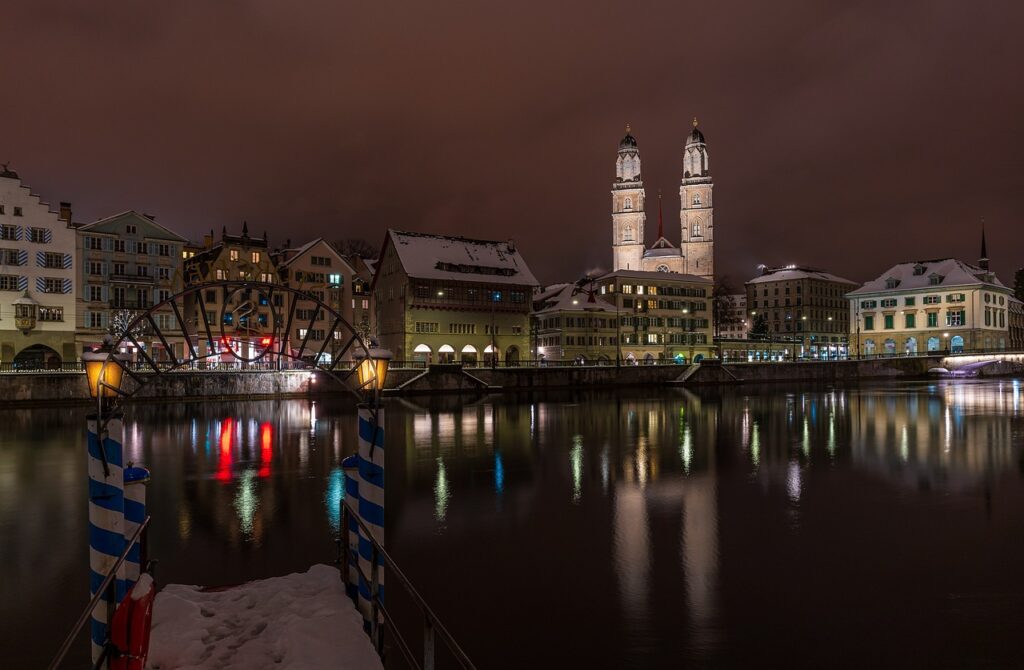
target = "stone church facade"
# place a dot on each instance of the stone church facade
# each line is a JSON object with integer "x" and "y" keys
{"x": 695, "y": 253}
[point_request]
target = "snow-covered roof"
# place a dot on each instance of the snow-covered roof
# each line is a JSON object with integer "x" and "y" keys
{"x": 791, "y": 272}
{"x": 655, "y": 276}
{"x": 657, "y": 252}
{"x": 292, "y": 255}
{"x": 104, "y": 225}
{"x": 563, "y": 300}
{"x": 425, "y": 256}
{"x": 918, "y": 275}
{"x": 547, "y": 292}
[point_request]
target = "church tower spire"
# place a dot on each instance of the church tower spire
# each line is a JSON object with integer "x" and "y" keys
{"x": 628, "y": 207}
{"x": 983, "y": 260}
{"x": 696, "y": 212}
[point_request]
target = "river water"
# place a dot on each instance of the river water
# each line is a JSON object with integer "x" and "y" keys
{"x": 806, "y": 527}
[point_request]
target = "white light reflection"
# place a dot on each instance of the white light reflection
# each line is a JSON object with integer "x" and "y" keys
{"x": 246, "y": 501}
{"x": 312, "y": 419}
{"x": 904, "y": 445}
{"x": 806, "y": 442}
{"x": 755, "y": 445}
{"x": 441, "y": 492}
{"x": 605, "y": 458}
{"x": 576, "y": 465}
{"x": 793, "y": 483}
{"x": 948, "y": 437}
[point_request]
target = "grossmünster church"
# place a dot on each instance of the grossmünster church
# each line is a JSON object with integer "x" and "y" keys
{"x": 695, "y": 253}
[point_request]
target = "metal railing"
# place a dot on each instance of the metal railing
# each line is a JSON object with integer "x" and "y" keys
{"x": 432, "y": 627}
{"x": 104, "y": 592}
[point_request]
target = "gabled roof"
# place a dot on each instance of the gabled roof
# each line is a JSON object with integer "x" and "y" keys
{"x": 793, "y": 272}
{"x": 293, "y": 255}
{"x": 563, "y": 300}
{"x": 106, "y": 225}
{"x": 918, "y": 275}
{"x": 656, "y": 276}
{"x": 426, "y": 256}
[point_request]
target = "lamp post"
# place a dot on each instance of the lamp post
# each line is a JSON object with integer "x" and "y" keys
{"x": 104, "y": 437}
{"x": 372, "y": 371}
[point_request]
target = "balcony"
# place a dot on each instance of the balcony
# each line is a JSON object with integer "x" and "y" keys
{"x": 131, "y": 279}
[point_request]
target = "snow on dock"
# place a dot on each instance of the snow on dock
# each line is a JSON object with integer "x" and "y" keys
{"x": 296, "y": 622}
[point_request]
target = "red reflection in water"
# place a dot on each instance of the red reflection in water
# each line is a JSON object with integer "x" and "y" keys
{"x": 266, "y": 438}
{"x": 223, "y": 473}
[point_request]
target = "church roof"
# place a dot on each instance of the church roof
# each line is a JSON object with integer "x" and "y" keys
{"x": 628, "y": 142}
{"x": 695, "y": 137}
{"x": 426, "y": 256}
{"x": 660, "y": 252}
{"x": 919, "y": 275}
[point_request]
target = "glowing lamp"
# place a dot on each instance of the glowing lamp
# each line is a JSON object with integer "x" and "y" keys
{"x": 372, "y": 367}
{"x": 265, "y": 341}
{"x": 104, "y": 373}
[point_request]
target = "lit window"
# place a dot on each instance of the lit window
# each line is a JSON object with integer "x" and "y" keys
{"x": 255, "y": 257}
{"x": 233, "y": 254}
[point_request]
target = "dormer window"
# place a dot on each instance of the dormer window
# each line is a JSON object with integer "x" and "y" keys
{"x": 935, "y": 279}
{"x": 919, "y": 269}
{"x": 892, "y": 282}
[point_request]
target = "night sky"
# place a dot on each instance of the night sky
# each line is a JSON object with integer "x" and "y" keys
{"x": 844, "y": 135}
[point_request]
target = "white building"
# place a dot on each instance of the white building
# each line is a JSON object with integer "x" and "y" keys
{"x": 735, "y": 323}
{"x": 695, "y": 254}
{"x": 37, "y": 278}
{"x": 935, "y": 305}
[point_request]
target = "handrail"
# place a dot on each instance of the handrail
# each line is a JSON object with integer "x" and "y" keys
{"x": 432, "y": 625}
{"x": 100, "y": 593}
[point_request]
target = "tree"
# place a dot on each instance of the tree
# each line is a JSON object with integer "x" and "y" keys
{"x": 759, "y": 328}
{"x": 1018, "y": 284}
{"x": 120, "y": 319}
{"x": 355, "y": 246}
{"x": 723, "y": 304}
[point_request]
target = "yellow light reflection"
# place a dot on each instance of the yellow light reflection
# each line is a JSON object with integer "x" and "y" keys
{"x": 441, "y": 492}
{"x": 576, "y": 465}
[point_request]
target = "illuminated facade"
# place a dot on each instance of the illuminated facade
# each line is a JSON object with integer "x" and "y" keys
{"x": 446, "y": 299}
{"x": 37, "y": 278}
{"x": 930, "y": 306}
{"x": 573, "y": 325}
{"x": 695, "y": 254}
{"x": 804, "y": 307}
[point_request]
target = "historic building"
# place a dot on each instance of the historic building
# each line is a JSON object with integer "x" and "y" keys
{"x": 1015, "y": 323}
{"x": 127, "y": 264}
{"x": 37, "y": 278}
{"x": 444, "y": 299}
{"x": 318, "y": 270}
{"x": 932, "y": 305}
{"x": 243, "y": 322}
{"x": 574, "y": 325}
{"x": 803, "y": 307}
{"x": 695, "y": 254}
{"x": 735, "y": 323}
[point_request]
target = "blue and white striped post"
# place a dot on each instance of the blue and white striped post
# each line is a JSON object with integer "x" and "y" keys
{"x": 371, "y": 503}
{"x": 106, "y": 518}
{"x": 135, "y": 481}
{"x": 350, "y": 535}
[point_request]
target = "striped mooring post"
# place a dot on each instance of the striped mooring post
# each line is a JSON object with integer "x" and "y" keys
{"x": 371, "y": 504}
{"x": 350, "y": 535}
{"x": 106, "y": 519}
{"x": 135, "y": 480}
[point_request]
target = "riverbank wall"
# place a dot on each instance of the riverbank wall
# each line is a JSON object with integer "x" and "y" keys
{"x": 198, "y": 386}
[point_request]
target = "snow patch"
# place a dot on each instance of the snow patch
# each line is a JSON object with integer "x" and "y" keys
{"x": 302, "y": 621}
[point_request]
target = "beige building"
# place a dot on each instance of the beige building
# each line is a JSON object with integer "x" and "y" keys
{"x": 804, "y": 307}
{"x": 446, "y": 299}
{"x": 321, "y": 272}
{"x": 128, "y": 264}
{"x": 934, "y": 305}
{"x": 695, "y": 254}
{"x": 659, "y": 315}
{"x": 37, "y": 278}
{"x": 573, "y": 325}
{"x": 244, "y": 322}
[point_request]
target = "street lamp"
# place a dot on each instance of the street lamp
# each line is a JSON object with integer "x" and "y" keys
{"x": 372, "y": 369}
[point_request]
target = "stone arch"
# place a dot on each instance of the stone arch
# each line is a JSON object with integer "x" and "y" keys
{"x": 446, "y": 354}
{"x": 37, "y": 357}
{"x": 468, "y": 355}
{"x": 512, "y": 355}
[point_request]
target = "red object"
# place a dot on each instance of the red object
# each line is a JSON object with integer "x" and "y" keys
{"x": 265, "y": 341}
{"x": 129, "y": 630}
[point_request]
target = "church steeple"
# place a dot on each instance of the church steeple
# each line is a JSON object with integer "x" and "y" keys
{"x": 628, "y": 207}
{"x": 696, "y": 211}
{"x": 983, "y": 260}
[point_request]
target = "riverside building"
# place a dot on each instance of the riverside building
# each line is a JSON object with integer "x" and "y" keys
{"x": 802, "y": 307}
{"x": 573, "y": 325}
{"x": 931, "y": 305}
{"x": 127, "y": 264}
{"x": 441, "y": 299}
{"x": 37, "y": 278}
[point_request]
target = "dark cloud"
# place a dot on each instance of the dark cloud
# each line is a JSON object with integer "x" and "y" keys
{"x": 846, "y": 135}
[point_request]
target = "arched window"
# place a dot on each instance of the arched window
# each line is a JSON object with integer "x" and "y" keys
{"x": 628, "y": 204}
{"x": 696, "y": 232}
{"x": 662, "y": 268}
{"x": 696, "y": 199}
{"x": 627, "y": 234}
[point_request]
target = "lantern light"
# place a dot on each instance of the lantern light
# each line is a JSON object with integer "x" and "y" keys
{"x": 104, "y": 373}
{"x": 372, "y": 367}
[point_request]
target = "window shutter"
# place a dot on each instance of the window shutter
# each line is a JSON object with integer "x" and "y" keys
{"x": 23, "y": 257}
{"x": 41, "y": 259}
{"x": 67, "y": 286}
{"x": 47, "y": 235}
{"x": 67, "y": 261}
{"x": 22, "y": 283}
{"x": 40, "y": 284}
{"x": 17, "y": 233}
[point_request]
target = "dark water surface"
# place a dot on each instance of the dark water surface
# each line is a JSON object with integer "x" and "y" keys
{"x": 799, "y": 527}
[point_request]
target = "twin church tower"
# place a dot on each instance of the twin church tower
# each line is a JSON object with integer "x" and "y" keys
{"x": 695, "y": 254}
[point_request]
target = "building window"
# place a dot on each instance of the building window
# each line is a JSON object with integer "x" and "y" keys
{"x": 142, "y": 271}
{"x": 38, "y": 235}
{"x": 889, "y": 302}
{"x": 868, "y": 304}
{"x": 17, "y": 211}
{"x": 909, "y": 302}
{"x": 696, "y": 228}
{"x": 53, "y": 261}
{"x": 164, "y": 249}
{"x": 10, "y": 233}
{"x": 9, "y": 282}
{"x": 96, "y": 294}
{"x": 9, "y": 257}
{"x": 933, "y": 319}
{"x": 51, "y": 313}
{"x": 53, "y": 285}
{"x": 869, "y": 323}
{"x": 143, "y": 248}
{"x": 628, "y": 204}
{"x": 955, "y": 317}
{"x": 334, "y": 280}
{"x": 233, "y": 254}
{"x": 910, "y": 321}
{"x": 255, "y": 257}
{"x": 426, "y": 327}
{"x": 888, "y": 320}
{"x": 366, "y": 303}
{"x": 164, "y": 273}
{"x": 119, "y": 246}
{"x": 221, "y": 274}
{"x": 627, "y": 234}
{"x": 95, "y": 319}
{"x": 95, "y": 268}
